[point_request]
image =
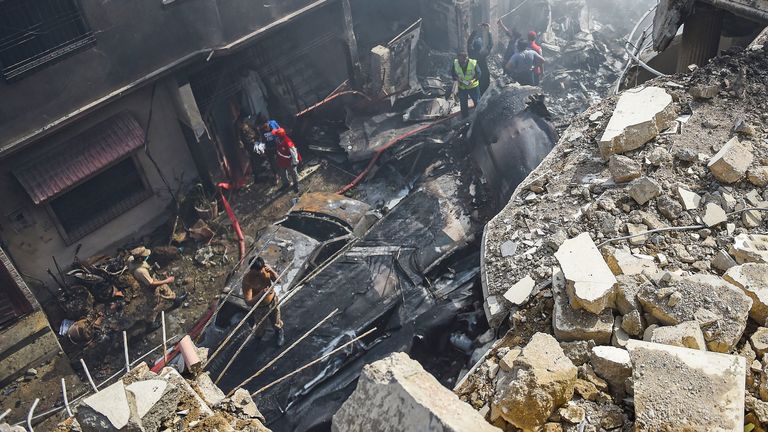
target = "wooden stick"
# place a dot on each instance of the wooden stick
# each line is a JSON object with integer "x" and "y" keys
{"x": 279, "y": 356}
{"x": 245, "y": 318}
{"x": 312, "y": 363}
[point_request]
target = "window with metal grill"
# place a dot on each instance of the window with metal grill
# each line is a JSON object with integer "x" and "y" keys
{"x": 34, "y": 33}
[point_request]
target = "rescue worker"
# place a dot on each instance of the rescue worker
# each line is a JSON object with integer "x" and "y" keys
{"x": 270, "y": 144}
{"x": 467, "y": 73}
{"x": 259, "y": 280}
{"x": 479, "y": 47}
{"x": 288, "y": 159}
{"x": 521, "y": 65}
{"x": 165, "y": 298}
{"x": 250, "y": 139}
{"x": 538, "y": 67}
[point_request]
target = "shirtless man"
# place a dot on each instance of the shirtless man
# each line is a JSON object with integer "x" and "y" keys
{"x": 256, "y": 282}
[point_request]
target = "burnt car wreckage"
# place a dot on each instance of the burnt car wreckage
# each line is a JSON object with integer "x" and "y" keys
{"x": 412, "y": 277}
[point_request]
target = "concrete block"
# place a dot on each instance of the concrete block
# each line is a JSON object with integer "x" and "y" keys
{"x": 542, "y": 380}
{"x": 107, "y": 410}
{"x": 519, "y": 293}
{"x": 644, "y": 189}
{"x": 688, "y": 298}
{"x": 683, "y": 389}
{"x": 154, "y": 401}
{"x": 590, "y": 282}
{"x": 577, "y": 325}
{"x": 396, "y": 394}
{"x": 730, "y": 164}
{"x": 210, "y": 392}
{"x": 714, "y": 215}
{"x": 686, "y": 335}
{"x": 753, "y": 280}
{"x": 611, "y": 364}
{"x": 689, "y": 200}
{"x": 750, "y": 248}
{"x": 495, "y": 310}
{"x": 640, "y": 115}
{"x": 624, "y": 169}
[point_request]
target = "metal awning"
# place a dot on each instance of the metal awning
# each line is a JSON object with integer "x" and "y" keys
{"x": 44, "y": 175}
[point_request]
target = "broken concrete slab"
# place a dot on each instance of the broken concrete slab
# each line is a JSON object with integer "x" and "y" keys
{"x": 107, "y": 410}
{"x": 397, "y": 394}
{"x": 590, "y": 282}
{"x": 542, "y": 380}
{"x": 723, "y": 261}
{"x": 730, "y": 164}
{"x": 753, "y": 280}
{"x": 704, "y": 91}
{"x": 688, "y": 297}
{"x": 208, "y": 391}
{"x": 637, "y": 232}
{"x": 495, "y": 310}
{"x": 626, "y": 293}
{"x": 759, "y": 341}
{"x": 243, "y": 406}
{"x": 519, "y": 293}
{"x": 154, "y": 400}
{"x": 577, "y": 325}
{"x": 689, "y": 200}
{"x": 624, "y": 169}
{"x": 683, "y": 389}
{"x": 624, "y": 262}
{"x": 758, "y": 176}
{"x": 686, "y": 335}
{"x": 640, "y": 115}
{"x": 188, "y": 393}
{"x": 644, "y": 189}
{"x": 611, "y": 364}
{"x": 750, "y": 248}
{"x": 714, "y": 215}
{"x": 632, "y": 323}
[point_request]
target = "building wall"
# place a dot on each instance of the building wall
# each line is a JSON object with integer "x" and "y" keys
{"x": 134, "y": 39}
{"x": 33, "y": 247}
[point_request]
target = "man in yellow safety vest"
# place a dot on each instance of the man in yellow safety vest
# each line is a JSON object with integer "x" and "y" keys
{"x": 467, "y": 73}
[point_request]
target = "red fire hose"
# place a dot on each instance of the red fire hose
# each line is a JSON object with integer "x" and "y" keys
{"x": 232, "y": 218}
{"x": 382, "y": 149}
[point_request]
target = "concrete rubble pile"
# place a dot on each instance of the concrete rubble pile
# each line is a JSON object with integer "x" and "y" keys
{"x": 636, "y": 292}
{"x": 145, "y": 401}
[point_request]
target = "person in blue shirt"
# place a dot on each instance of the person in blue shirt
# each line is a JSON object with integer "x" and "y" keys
{"x": 270, "y": 144}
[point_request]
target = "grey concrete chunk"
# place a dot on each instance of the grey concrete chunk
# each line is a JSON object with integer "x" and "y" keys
{"x": 688, "y": 298}
{"x": 542, "y": 379}
{"x": 758, "y": 176}
{"x": 624, "y": 169}
{"x": 577, "y": 325}
{"x": 611, "y": 364}
{"x": 640, "y": 115}
{"x": 590, "y": 282}
{"x": 495, "y": 310}
{"x": 723, "y": 261}
{"x": 686, "y": 335}
{"x": 680, "y": 389}
{"x": 689, "y": 200}
{"x": 750, "y": 248}
{"x": 154, "y": 401}
{"x": 704, "y": 91}
{"x": 759, "y": 341}
{"x": 107, "y": 410}
{"x": 714, "y": 215}
{"x": 397, "y": 394}
{"x": 519, "y": 293}
{"x": 644, "y": 189}
{"x": 210, "y": 392}
{"x": 753, "y": 280}
{"x": 730, "y": 164}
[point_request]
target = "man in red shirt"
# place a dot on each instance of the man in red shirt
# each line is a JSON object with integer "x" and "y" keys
{"x": 288, "y": 159}
{"x": 539, "y": 66}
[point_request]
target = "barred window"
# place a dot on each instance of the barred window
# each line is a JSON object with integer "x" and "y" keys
{"x": 34, "y": 33}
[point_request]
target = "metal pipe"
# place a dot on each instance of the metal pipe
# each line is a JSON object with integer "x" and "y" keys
{"x": 285, "y": 351}
{"x": 30, "y": 414}
{"x": 88, "y": 374}
{"x": 66, "y": 399}
{"x": 125, "y": 351}
{"x": 740, "y": 9}
{"x": 5, "y": 413}
{"x": 312, "y": 363}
